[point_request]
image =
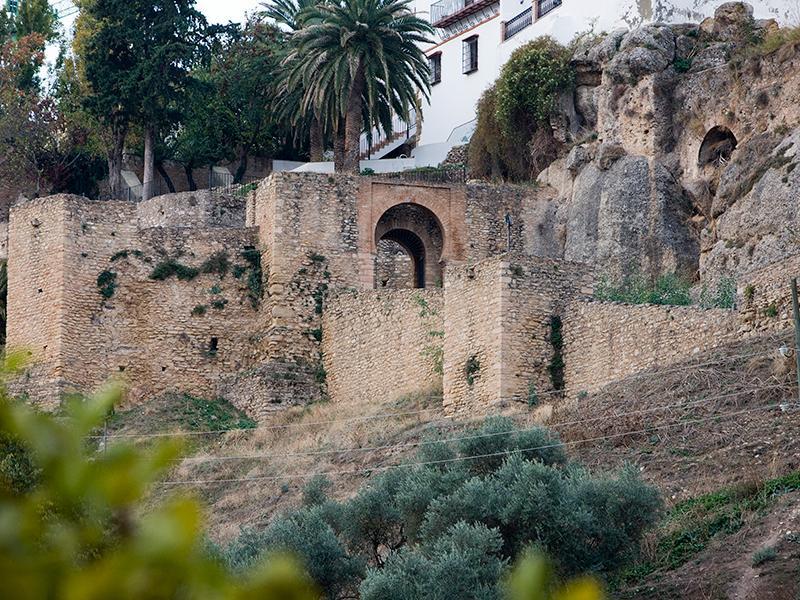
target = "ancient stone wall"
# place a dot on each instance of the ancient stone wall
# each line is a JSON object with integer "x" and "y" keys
{"x": 36, "y": 292}
{"x": 204, "y": 208}
{"x": 500, "y": 316}
{"x": 472, "y": 353}
{"x": 764, "y": 296}
{"x": 382, "y": 345}
{"x": 86, "y": 300}
{"x": 607, "y": 341}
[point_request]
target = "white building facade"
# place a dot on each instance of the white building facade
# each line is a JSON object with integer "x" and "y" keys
{"x": 476, "y": 37}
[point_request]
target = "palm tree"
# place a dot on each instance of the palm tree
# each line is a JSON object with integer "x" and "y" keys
{"x": 289, "y": 93}
{"x": 361, "y": 56}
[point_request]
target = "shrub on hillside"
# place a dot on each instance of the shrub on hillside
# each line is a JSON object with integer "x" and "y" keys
{"x": 74, "y": 523}
{"x": 669, "y": 289}
{"x": 450, "y": 527}
{"x": 636, "y": 288}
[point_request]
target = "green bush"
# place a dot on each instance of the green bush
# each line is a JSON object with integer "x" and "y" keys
{"x": 723, "y": 295}
{"x": 449, "y": 528}
{"x": 682, "y": 65}
{"x": 636, "y": 288}
{"x": 170, "y": 267}
{"x": 465, "y": 563}
{"x": 530, "y": 82}
{"x": 513, "y": 139}
{"x": 763, "y": 555}
{"x": 218, "y": 263}
{"x": 255, "y": 286}
{"x": 79, "y": 528}
{"x": 107, "y": 284}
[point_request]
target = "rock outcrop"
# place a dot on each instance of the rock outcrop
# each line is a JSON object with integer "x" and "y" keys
{"x": 686, "y": 152}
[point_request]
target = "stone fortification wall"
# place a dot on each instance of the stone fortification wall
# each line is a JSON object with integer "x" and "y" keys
{"x": 764, "y": 296}
{"x": 307, "y": 238}
{"x": 499, "y": 321}
{"x": 36, "y": 291}
{"x": 84, "y": 299}
{"x": 204, "y": 208}
{"x": 472, "y": 354}
{"x": 381, "y": 345}
{"x": 533, "y": 226}
{"x": 606, "y": 341}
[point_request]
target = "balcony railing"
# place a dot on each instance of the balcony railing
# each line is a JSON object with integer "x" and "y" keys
{"x": 545, "y": 6}
{"x": 447, "y": 12}
{"x": 513, "y": 26}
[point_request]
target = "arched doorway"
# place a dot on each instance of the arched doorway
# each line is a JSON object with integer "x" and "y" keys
{"x": 409, "y": 242}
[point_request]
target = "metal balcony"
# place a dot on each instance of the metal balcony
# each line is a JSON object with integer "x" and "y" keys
{"x": 447, "y": 12}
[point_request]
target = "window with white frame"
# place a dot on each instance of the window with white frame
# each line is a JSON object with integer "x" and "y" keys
{"x": 435, "y": 64}
{"x": 469, "y": 56}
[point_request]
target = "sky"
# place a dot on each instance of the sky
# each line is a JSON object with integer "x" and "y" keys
{"x": 222, "y": 11}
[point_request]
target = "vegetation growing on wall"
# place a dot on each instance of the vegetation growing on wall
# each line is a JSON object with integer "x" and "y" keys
{"x": 449, "y": 527}
{"x": 172, "y": 268}
{"x": 513, "y": 138}
{"x": 471, "y": 369}
{"x": 637, "y": 288}
{"x": 556, "y": 367}
{"x": 434, "y": 349}
{"x": 3, "y": 300}
{"x": 107, "y": 284}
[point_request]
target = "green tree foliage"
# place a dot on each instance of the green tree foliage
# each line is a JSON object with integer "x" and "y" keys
{"x": 170, "y": 36}
{"x": 360, "y": 57}
{"x": 466, "y": 562}
{"x": 289, "y": 92}
{"x": 36, "y": 17}
{"x": 109, "y": 59}
{"x": 513, "y": 140}
{"x": 136, "y": 56}
{"x": 72, "y": 525}
{"x": 450, "y": 527}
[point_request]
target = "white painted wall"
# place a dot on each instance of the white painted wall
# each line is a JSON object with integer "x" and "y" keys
{"x": 453, "y": 101}
{"x": 386, "y": 165}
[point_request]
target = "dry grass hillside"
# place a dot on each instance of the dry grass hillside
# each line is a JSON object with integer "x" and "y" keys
{"x": 710, "y": 433}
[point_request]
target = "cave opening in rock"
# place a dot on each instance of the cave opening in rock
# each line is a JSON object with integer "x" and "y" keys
{"x": 717, "y": 147}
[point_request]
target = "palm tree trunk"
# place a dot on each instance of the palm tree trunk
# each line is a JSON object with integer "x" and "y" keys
{"x": 339, "y": 147}
{"x": 316, "y": 142}
{"x": 148, "y": 178}
{"x": 355, "y": 122}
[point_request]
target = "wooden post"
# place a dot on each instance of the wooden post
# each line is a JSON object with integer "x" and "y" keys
{"x": 796, "y": 310}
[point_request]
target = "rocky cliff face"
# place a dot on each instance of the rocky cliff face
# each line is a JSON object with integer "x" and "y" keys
{"x": 684, "y": 141}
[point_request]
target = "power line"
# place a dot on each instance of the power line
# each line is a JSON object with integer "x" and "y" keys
{"x": 462, "y": 458}
{"x": 379, "y": 416}
{"x": 678, "y": 405}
